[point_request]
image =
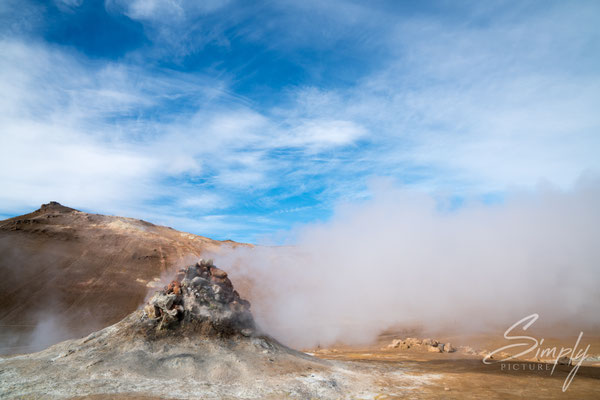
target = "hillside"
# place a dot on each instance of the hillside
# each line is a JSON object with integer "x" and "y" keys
{"x": 66, "y": 273}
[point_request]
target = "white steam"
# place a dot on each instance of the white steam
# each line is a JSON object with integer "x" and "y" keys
{"x": 398, "y": 259}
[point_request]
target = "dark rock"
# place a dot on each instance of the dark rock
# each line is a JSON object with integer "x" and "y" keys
{"x": 212, "y": 305}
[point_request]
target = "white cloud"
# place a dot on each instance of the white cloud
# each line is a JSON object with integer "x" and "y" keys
{"x": 318, "y": 133}
{"x": 462, "y": 108}
{"x": 507, "y": 102}
{"x": 58, "y": 136}
{"x": 95, "y": 136}
{"x": 165, "y": 10}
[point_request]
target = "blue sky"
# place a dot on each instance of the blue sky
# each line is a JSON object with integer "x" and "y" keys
{"x": 241, "y": 119}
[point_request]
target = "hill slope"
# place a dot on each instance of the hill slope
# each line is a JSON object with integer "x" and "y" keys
{"x": 66, "y": 273}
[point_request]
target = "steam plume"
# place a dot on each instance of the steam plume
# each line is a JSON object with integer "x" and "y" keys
{"x": 398, "y": 259}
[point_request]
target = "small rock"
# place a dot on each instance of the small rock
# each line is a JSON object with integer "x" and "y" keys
{"x": 236, "y": 307}
{"x": 434, "y": 349}
{"x": 218, "y": 273}
{"x": 198, "y": 281}
{"x": 163, "y": 301}
{"x": 404, "y": 346}
{"x": 565, "y": 361}
{"x": 151, "y": 311}
{"x": 448, "y": 348}
{"x": 174, "y": 287}
{"x": 206, "y": 263}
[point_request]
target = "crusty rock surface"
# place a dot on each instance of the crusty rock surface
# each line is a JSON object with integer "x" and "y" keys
{"x": 201, "y": 298}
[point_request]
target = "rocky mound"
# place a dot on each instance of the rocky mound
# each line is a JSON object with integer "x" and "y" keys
{"x": 201, "y": 299}
{"x": 195, "y": 338}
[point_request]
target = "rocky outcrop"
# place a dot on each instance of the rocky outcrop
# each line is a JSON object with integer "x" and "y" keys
{"x": 201, "y": 295}
{"x": 428, "y": 344}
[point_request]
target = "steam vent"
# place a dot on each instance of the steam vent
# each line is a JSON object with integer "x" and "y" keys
{"x": 202, "y": 299}
{"x": 194, "y": 339}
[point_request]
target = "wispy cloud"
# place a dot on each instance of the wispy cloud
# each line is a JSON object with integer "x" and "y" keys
{"x": 227, "y": 114}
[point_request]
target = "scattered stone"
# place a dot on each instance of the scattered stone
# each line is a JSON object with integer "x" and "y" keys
{"x": 428, "y": 344}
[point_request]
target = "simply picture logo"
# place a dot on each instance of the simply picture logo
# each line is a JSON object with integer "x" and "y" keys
{"x": 573, "y": 356}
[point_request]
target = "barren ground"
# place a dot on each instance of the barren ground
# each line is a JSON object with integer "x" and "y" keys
{"x": 88, "y": 271}
{"x": 460, "y": 375}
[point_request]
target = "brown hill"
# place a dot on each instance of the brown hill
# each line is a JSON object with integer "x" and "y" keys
{"x": 66, "y": 273}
